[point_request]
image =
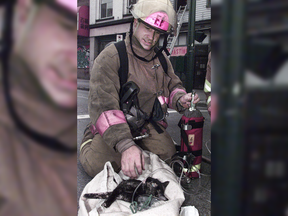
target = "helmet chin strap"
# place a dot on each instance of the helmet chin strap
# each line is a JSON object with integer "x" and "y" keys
{"x": 157, "y": 51}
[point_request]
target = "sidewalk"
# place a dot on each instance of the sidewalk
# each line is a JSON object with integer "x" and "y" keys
{"x": 84, "y": 85}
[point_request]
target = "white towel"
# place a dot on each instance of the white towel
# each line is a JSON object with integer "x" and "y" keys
{"x": 107, "y": 180}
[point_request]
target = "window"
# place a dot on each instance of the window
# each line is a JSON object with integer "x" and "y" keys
{"x": 106, "y": 8}
{"x": 208, "y": 3}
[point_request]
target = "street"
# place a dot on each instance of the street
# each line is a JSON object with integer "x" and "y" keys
{"x": 199, "y": 191}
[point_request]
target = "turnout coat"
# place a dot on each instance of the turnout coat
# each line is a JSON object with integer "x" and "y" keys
{"x": 104, "y": 109}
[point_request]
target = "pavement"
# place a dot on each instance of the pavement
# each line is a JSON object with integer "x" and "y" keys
{"x": 83, "y": 84}
{"x": 198, "y": 191}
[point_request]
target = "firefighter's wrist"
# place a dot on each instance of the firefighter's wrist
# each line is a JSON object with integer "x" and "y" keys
{"x": 124, "y": 145}
{"x": 179, "y": 103}
{"x": 179, "y": 106}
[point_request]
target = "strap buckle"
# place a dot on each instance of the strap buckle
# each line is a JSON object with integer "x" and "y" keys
{"x": 186, "y": 127}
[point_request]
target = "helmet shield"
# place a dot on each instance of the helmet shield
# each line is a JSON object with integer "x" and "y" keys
{"x": 158, "y": 14}
{"x": 68, "y": 5}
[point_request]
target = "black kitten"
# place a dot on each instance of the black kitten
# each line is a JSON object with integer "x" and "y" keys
{"x": 124, "y": 191}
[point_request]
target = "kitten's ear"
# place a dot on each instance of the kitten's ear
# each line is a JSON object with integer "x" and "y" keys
{"x": 149, "y": 179}
{"x": 165, "y": 184}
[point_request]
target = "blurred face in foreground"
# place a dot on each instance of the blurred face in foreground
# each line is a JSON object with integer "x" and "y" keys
{"x": 146, "y": 36}
{"x": 46, "y": 41}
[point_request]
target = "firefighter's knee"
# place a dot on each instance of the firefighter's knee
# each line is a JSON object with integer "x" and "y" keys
{"x": 95, "y": 154}
{"x": 86, "y": 157}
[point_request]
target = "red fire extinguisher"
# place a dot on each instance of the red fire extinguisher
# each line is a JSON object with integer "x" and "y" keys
{"x": 191, "y": 127}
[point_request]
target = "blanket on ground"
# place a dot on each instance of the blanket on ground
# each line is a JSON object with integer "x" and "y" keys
{"x": 107, "y": 180}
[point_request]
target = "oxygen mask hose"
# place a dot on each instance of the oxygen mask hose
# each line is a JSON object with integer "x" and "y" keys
{"x": 192, "y": 111}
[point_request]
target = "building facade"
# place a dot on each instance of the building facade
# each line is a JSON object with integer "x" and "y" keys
{"x": 110, "y": 21}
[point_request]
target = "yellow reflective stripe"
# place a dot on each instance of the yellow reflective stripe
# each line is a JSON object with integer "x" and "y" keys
{"x": 194, "y": 168}
{"x": 207, "y": 86}
{"x": 209, "y": 100}
{"x": 83, "y": 144}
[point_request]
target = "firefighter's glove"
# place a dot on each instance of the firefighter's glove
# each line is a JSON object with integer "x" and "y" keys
{"x": 185, "y": 100}
{"x": 132, "y": 158}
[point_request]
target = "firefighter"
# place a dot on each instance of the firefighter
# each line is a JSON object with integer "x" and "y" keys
{"x": 113, "y": 140}
{"x": 207, "y": 86}
{"x": 211, "y": 104}
{"x": 38, "y": 126}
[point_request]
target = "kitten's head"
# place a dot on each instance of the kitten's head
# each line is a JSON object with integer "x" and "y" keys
{"x": 156, "y": 188}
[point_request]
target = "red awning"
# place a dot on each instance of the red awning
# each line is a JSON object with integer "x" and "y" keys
{"x": 179, "y": 51}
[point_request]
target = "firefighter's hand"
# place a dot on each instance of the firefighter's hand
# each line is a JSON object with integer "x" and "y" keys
{"x": 132, "y": 159}
{"x": 185, "y": 100}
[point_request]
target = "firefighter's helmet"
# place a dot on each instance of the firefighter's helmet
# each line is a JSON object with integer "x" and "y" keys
{"x": 158, "y": 14}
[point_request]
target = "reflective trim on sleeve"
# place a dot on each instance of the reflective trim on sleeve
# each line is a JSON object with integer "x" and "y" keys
{"x": 194, "y": 168}
{"x": 207, "y": 86}
{"x": 209, "y": 100}
{"x": 84, "y": 143}
{"x": 109, "y": 118}
{"x": 163, "y": 100}
{"x": 173, "y": 94}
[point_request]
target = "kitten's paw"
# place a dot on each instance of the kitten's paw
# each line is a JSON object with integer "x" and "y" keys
{"x": 104, "y": 204}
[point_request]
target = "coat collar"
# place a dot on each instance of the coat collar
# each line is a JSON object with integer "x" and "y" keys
{"x": 138, "y": 49}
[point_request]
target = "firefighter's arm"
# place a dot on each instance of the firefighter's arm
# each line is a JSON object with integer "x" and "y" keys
{"x": 103, "y": 102}
{"x": 175, "y": 87}
{"x": 207, "y": 85}
{"x": 179, "y": 99}
{"x": 105, "y": 113}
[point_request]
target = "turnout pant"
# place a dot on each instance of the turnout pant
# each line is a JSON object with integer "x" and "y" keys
{"x": 94, "y": 152}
